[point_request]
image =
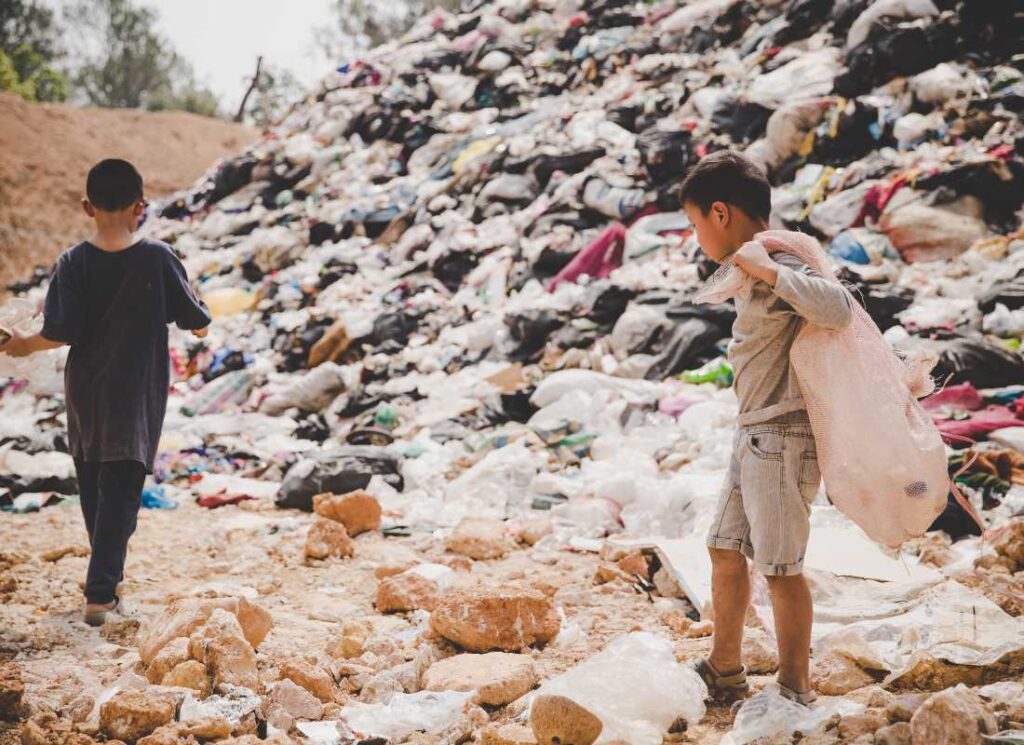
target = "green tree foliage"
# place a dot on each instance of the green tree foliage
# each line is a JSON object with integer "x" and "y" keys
{"x": 29, "y": 49}
{"x": 125, "y": 63}
{"x": 362, "y": 24}
{"x": 275, "y": 92}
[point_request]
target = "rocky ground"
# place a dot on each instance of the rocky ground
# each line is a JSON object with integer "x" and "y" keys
{"x": 235, "y": 597}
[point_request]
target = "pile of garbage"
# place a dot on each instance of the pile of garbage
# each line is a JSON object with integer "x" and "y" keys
{"x": 452, "y": 298}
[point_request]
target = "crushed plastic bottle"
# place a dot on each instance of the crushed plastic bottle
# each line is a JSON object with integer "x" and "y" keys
{"x": 717, "y": 371}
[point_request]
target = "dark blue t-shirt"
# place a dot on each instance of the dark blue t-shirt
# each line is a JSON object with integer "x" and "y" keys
{"x": 113, "y": 309}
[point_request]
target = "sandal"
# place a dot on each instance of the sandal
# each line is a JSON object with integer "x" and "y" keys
{"x": 723, "y": 688}
{"x": 804, "y": 699}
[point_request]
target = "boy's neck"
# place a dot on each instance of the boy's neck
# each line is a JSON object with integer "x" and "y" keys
{"x": 113, "y": 238}
{"x": 746, "y": 229}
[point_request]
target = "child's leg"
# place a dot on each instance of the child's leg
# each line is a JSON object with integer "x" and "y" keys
{"x": 730, "y": 596}
{"x": 88, "y": 492}
{"x": 793, "y": 611}
{"x": 120, "y": 496}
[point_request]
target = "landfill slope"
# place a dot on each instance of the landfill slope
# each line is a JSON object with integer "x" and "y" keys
{"x": 48, "y": 149}
{"x": 458, "y": 431}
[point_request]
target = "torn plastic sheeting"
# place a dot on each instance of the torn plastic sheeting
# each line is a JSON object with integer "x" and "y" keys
{"x": 234, "y": 705}
{"x": 493, "y": 486}
{"x": 560, "y": 383}
{"x": 810, "y": 75}
{"x": 407, "y": 713}
{"x": 614, "y": 685}
{"x": 910, "y": 624}
{"x": 768, "y": 716}
{"x": 861, "y": 27}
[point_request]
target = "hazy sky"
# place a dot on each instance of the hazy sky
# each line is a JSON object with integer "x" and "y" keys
{"x": 222, "y": 38}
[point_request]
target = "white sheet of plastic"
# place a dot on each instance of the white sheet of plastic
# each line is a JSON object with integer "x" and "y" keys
{"x": 769, "y": 715}
{"x": 615, "y": 686}
{"x": 897, "y": 8}
{"x": 406, "y": 713}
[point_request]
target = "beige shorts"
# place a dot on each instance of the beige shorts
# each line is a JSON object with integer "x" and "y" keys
{"x": 765, "y": 506}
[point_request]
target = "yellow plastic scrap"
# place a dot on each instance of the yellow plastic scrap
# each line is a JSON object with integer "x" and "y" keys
{"x": 229, "y": 301}
{"x": 474, "y": 150}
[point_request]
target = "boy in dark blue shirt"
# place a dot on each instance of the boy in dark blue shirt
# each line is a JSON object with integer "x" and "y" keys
{"x": 110, "y": 298}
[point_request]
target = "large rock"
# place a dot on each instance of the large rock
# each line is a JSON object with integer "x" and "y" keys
{"x": 760, "y": 654}
{"x": 182, "y": 617}
{"x": 328, "y": 539}
{"x": 903, "y": 707}
{"x": 836, "y": 675}
{"x": 956, "y": 716}
{"x": 314, "y": 679}
{"x": 228, "y": 657}
{"x": 296, "y": 700}
{"x": 899, "y": 733}
{"x": 407, "y": 592}
{"x": 352, "y": 640}
{"x": 131, "y": 715}
{"x": 1010, "y": 543}
{"x": 478, "y": 538}
{"x": 482, "y": 619}
{"x": 508, "y": 734}
{"x": 172, "y": 655}
{"x": 357, "y": 510}
{"x": 12, "y": 693}
{"x": 213, "y": 729}
{"x": 497, "y": 677}
{"x": 190, "y": 674}
{"x": 857, "y": 725}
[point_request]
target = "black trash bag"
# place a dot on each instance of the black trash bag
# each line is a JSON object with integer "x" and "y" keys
{"x": 394, "y": 327}
{"x": 689, "y": 344}
{"x": 665, "y": 155}
{"x": 998, "y": 184}
{"x": 338, "y": 472}
{"x": 573, "y": 337}
{"x": 530, "y": 331}
{"x": 882, "y": 302}
{"x": 544, "y": 166}
{"x": 743, "y": 121}
{"x": 980, "y": 363}
{"x": 606, "y": 302}
{"x": 452, "y": 268}
{"x": 322, "y": 232}
{"x": 955, "y": 521}
{"x": 803, "y": 18}
{"x": 845, "y": 13}
{"x": 895, "y": 49}
{"x": 1009, "y": 292}
{"x": 230, "y": 177}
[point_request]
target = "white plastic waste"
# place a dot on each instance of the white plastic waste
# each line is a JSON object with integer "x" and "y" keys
{"x": 313, "y": 391}
{"x": 808, "y": 76}
{"x": 406, "y": 713}
{"x": 769, "y": 715}
{"x": 615, "y": 685}
{"x": 233, "y": 705}
{"x": 1004, "y": 322}
{"x": 892, "y": 8}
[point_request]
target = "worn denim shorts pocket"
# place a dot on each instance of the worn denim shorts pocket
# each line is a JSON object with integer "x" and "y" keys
{"x": 810, "y": 475}
{"x": 766, "y": 444}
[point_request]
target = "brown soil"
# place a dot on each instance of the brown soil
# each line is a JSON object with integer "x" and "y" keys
{"x": 47, "y": 149}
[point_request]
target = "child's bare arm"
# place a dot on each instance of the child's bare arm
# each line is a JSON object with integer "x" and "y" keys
{"x": 23, "y": 346}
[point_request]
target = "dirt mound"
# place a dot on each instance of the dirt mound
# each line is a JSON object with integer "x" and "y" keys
{"x": 47, "y": 150}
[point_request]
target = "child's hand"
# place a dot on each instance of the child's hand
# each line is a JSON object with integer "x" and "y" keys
{"x": 755, "y": 261}
{"x": 16, "y": 346}
{"x": 201, "y": 333}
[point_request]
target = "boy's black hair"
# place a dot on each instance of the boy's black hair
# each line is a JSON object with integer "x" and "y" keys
{"x": 725, "y": 176}
{"x": 113, "y": 185}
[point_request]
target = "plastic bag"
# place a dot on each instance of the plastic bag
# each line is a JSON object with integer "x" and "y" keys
{"x": 405, "y": 714}
{"x": 312, "y": 392}
{"x": 339, "y": 472}
{"x": 768, "y": 715}
{"x": 855, "y": 387}
{"x": 615, "y": 686}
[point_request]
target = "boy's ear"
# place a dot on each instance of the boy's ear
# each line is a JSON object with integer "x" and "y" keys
{"x": 721, "y": 213}
{"x": 88, "y": 208}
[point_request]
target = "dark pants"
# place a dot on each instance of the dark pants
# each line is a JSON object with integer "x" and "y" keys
{"x": 111, "y": 495}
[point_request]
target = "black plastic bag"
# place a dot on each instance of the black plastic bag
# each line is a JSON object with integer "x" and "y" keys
{"x": 338, "y": 472}
{"x": 1008, "y": 292}
{"x": 665, "y": 155}
{"x": 978, "y": 362}
{"x": 530, "y": 330}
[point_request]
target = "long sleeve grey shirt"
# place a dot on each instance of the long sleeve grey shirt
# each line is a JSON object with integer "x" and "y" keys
{"x": 767, "y": 324}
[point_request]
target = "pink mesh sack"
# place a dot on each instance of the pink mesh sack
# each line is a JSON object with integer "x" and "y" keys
{"x": 881, "y": 457}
